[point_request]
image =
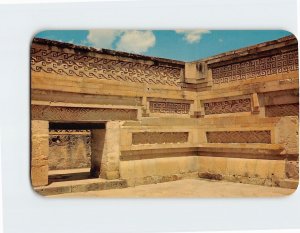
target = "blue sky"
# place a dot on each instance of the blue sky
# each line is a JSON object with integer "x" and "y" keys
{"x": 184, "y": 45}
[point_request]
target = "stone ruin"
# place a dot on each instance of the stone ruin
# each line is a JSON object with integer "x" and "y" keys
{"x": 142, "y": 120}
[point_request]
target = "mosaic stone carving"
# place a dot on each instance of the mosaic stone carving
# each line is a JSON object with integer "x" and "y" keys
{"x": 159, "y": 137}
{"x": 228, "y": 106}
{"x": 169, "y": 107}
{"x": 77, "y": 65}
{"x": 80, "y": 114}
{"x": 69, "y": 151}
{"x": 257, "y": 68}
{"x": 263, "y": 136}
{"x": 69, "y": 131}
{"x": 282, "y": 110}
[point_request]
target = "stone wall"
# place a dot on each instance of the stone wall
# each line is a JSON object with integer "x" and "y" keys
{"x": 69, "y": 150}
{"x": 39, "y": 153}
{"x": 233, "y": 116}
{"x": 66, "y": 60}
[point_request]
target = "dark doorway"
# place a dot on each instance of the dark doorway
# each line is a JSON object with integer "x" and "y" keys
{"x": 74, "y": 151}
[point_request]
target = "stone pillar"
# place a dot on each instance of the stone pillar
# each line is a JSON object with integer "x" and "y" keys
{"x": 106, "y": 151}
{"x": 39, "y": 152}
{"x": 255, "y": 103}
{"x": 145, "y": 107}
{"x": 110, "y": 168}
{"x": 97, "y": 147}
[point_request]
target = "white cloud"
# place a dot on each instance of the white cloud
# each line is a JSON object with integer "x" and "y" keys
{"x": 192, "y": 36}
{"x": 136, "y": 41}
{"x": 127, "y": 41}
{"x": 103, "y": 38}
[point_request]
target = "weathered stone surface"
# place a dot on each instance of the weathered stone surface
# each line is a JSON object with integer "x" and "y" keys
{"x": 239, "y": 136}
{"x": 67, "y": 150}
{"x": 292, "y": 169}
{"x": 282, "y": 110}
{"x": 192, "y": 188}
{"x": 159, "y": 137}
{"x": 97, "y": 151}
{"x": 39, "y": 153}
{"x": 227, "y": 106}
{"x": 47, "y": 59}
{"x": 225, "y": 117}
{"x": 263, "y": 172}
{"x": 287, "y": 134}
{"x": 82, "y": 114}
{"x": 106, "y": 151}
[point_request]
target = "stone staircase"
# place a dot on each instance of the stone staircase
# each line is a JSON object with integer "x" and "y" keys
{"x": 76, "y": 180}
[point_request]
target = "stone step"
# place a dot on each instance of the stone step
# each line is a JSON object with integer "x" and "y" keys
{"x": 80, "y": 186}
{"x": 289, "y": 183}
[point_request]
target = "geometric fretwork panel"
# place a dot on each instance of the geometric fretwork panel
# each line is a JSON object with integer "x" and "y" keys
{"x": 263, "y": 136}
{"x": 282, "y": 110}
{"x": 169, "y": 107}
{"x": 257, "y": 68}
{"x": 82, "y": 65}
{"x": 70, "y": 149}
{"x": 159, "y": 137}
{"x": 228, "y": 106}
{"x": 39, "y": 112}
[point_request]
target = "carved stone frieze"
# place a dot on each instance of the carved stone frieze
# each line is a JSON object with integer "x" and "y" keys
{"x": 263, "y": 136}
{"x": 228, "y": 106}
{"x": 257, "y": 68}
{"x": 159, "y": 137}
{"x": 78, "y": 65}
{"x": 282, "y": 110}
{"x": 169, "y": 107}
{"x": 81, "y": 114}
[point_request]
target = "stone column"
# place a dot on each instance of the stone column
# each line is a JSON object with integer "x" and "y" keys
{"x": 39, "y": 152}
{"x": 255, "y": 103}
{"x": 97, "y": 147}
{"x": 111, "y": 156}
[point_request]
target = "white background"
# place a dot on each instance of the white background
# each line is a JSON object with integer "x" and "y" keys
{"x": 24, "y": 211}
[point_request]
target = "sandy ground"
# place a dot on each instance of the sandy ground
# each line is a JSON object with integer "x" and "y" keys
{"x": 188, "y": 188}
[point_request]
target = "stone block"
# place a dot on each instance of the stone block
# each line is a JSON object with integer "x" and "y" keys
{"x": 182, "y": 164}
{"x": 262, "y": 168}
{"x": 250, "y": 168}
{"x": 292, "y": 169}
{"x": 212, "y": 165}
{"x": 236, "y": 166}
{"x": 112, "y": 166}
{"x": 112, "y": 175}
{"x": 218, "y": 165}
{"x": 39, "y": 153}
{"x": 148, "y": 167}
{"x": 40, "y": 147}
{"x": 39, "y": 127}
{"x": 192, "y": 164}
{"x": 138, "y": 168}
{"x": 287, "y": 134}
{"x": 127, "y": 169}
{"x": 277, "y": 169}
{"x": 166, "y": 166}
{"x": 39, "y": 175}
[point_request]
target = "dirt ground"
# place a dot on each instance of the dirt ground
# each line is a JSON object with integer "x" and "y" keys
{"x": 188, "y": 188}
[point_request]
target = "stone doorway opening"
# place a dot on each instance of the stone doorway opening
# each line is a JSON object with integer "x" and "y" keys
{"x": 75, "y": 150}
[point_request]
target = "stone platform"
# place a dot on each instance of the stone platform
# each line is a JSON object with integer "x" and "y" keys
{"x": 76, "y": 180}
{"x": 188, "y": 188}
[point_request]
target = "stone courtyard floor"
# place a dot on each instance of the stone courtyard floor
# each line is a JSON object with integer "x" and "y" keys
{"x": 188, "y": 188}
